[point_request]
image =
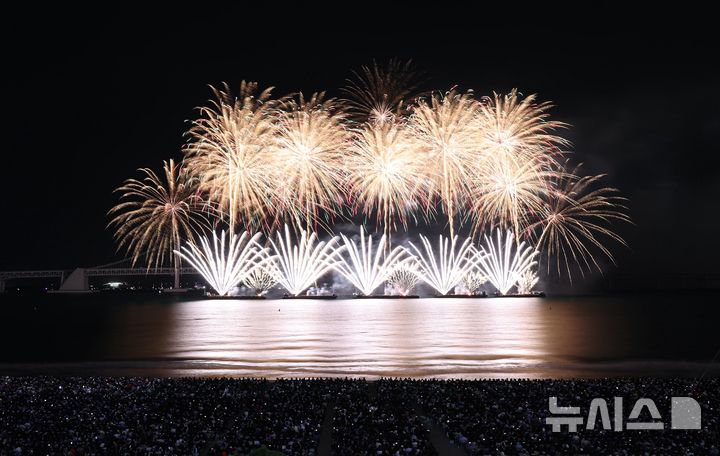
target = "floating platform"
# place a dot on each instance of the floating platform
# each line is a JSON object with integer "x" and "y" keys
{"x": 321, "y": 297}
{"x": 470, "y": 296}
{"x": 386, "y": 297}
{"x": 534, "y": 294}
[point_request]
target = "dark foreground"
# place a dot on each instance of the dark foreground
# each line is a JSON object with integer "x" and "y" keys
{"x": 66, "y": 415}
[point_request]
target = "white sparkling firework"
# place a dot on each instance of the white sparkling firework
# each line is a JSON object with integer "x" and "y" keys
{"x": 453, "y": 262}
{"x": 261, "y": 279}
{"x": 403, "y": 278}
{"x": 527, "y": 282}
{"x": 366, "y": 269}
{"x": 224, "y": 264}
{"x": 298, "y": 266}
{"x": 473, "y": 280}
{"x": 505, "y": 263}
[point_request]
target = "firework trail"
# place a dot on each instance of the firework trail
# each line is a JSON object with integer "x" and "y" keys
{"x": 261, "y": 279}
{"x": 453, "y": 262}
{"x": 403, "y": 278}
{"x": 472, "y": 281}
{"x": 577, "y": 217}
{"x": 155, "y": 215}
{"x": 506, "y": 262}
{"x": 366, "y": 269}
{"x": 527, "y": 282}
{"x": 310, "y": 148}
{"x": 298, "y": 266}
{"x": 230, "y": 149}
{"x": 378, "y": 94}
{"x": 445, "y": 131}
{"x": 226, "y": 261}
{"x": 386, "y": 174}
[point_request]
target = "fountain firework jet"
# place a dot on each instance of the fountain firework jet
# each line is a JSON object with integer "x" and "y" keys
{"x": 448, "y": 270}
{"x": 505, "y": 263}
{"x": 261, "y": 279}
{"x": 403, "y": 278}
{"x": 473, "y": 280}
{"x": 298, "y": 266}
{"x": 224, "y": 265}
{"x": 366, "y": 270}
{"x": 527, "y": 281}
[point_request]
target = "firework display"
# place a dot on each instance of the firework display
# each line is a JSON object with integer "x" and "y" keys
{"x": 298, "y": 266}
{"x": 366, "y": 269}
{"x": 446, "y": 269}
{"x": 154, "y": 215}
{"x": 505, "y": 262}
{"x": 389, "y": 158}
{"x": 225, "y": 261}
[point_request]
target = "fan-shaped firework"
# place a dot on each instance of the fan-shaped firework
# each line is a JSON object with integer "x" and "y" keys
{"x": 298, "y": 266}
{"x": 505, "y": 262}
{"x": 527, "y": 282}
{"x": 449, "y": 267}
{"x": 156, "y": 214}
{"x": 310, "y": 148}
{"x": 224, "y": 264}
{"x": 230, "y": 151}
{"x": 445, "y": 131}
{"x": 577, "y": 216}
{"x": 473, "y": 280}
{"x": 386, "y": 174}
{"x": 261, "y": 279}
{"x": 366, "y": 269}
{"x": 377, "y": 94}
{"x": 403, "y": 278}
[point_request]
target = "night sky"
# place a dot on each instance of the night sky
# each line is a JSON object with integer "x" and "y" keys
{"x": 92, "y": 96}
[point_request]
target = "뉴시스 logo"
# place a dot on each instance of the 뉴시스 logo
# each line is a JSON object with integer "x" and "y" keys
{"x": 684, "y": 414}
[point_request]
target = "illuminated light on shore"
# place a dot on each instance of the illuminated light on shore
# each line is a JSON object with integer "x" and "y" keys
{"x": 504, "y": 263}
{"x": 451, "y": 265}
{"x": 298, "y": 266}
{"x": 366, "y": 269}
{"x": 226, "y": 261}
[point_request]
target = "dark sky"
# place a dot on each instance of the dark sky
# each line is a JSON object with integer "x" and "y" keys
{"x": 92, "y": 96}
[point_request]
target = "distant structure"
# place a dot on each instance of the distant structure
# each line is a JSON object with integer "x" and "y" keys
{"x": 77, "y": 281}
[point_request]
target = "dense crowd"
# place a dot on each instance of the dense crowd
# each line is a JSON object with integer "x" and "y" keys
{"x": 143, "y": 416}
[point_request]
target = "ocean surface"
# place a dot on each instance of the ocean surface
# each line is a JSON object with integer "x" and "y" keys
{"x": 554, "y": 337}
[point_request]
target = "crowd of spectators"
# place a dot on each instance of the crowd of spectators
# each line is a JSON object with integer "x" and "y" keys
{"x": 193, "y": 416}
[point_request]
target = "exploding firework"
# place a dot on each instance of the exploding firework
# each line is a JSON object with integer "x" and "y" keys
{"x": 310, "y": 149}
{"x": 261, "y": 279}
{"x": 527, "y": 282}
{"x": 508, "y": 192}
{"x": 366, "y": 269}
{"x": 298, "y": 266}
{"x": 377, "y": 94}
{"x": 230, "y": 150}
{"x": 518, "y": 128}
{"x": 445, "y": 131}
{"x": 446, "y": 270}
{"x": 472, "y": 281}
{"x": 224, "y": 264}
{"x": 505, "y": 263}
{"x": 577, "y": 216}
{"x": 155, "y": 215}
{"x": 386, "y": 174}
{"x": 403, "y": 278}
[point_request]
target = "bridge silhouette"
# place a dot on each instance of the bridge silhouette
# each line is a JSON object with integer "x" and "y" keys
{"x": 78, "y": 280}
